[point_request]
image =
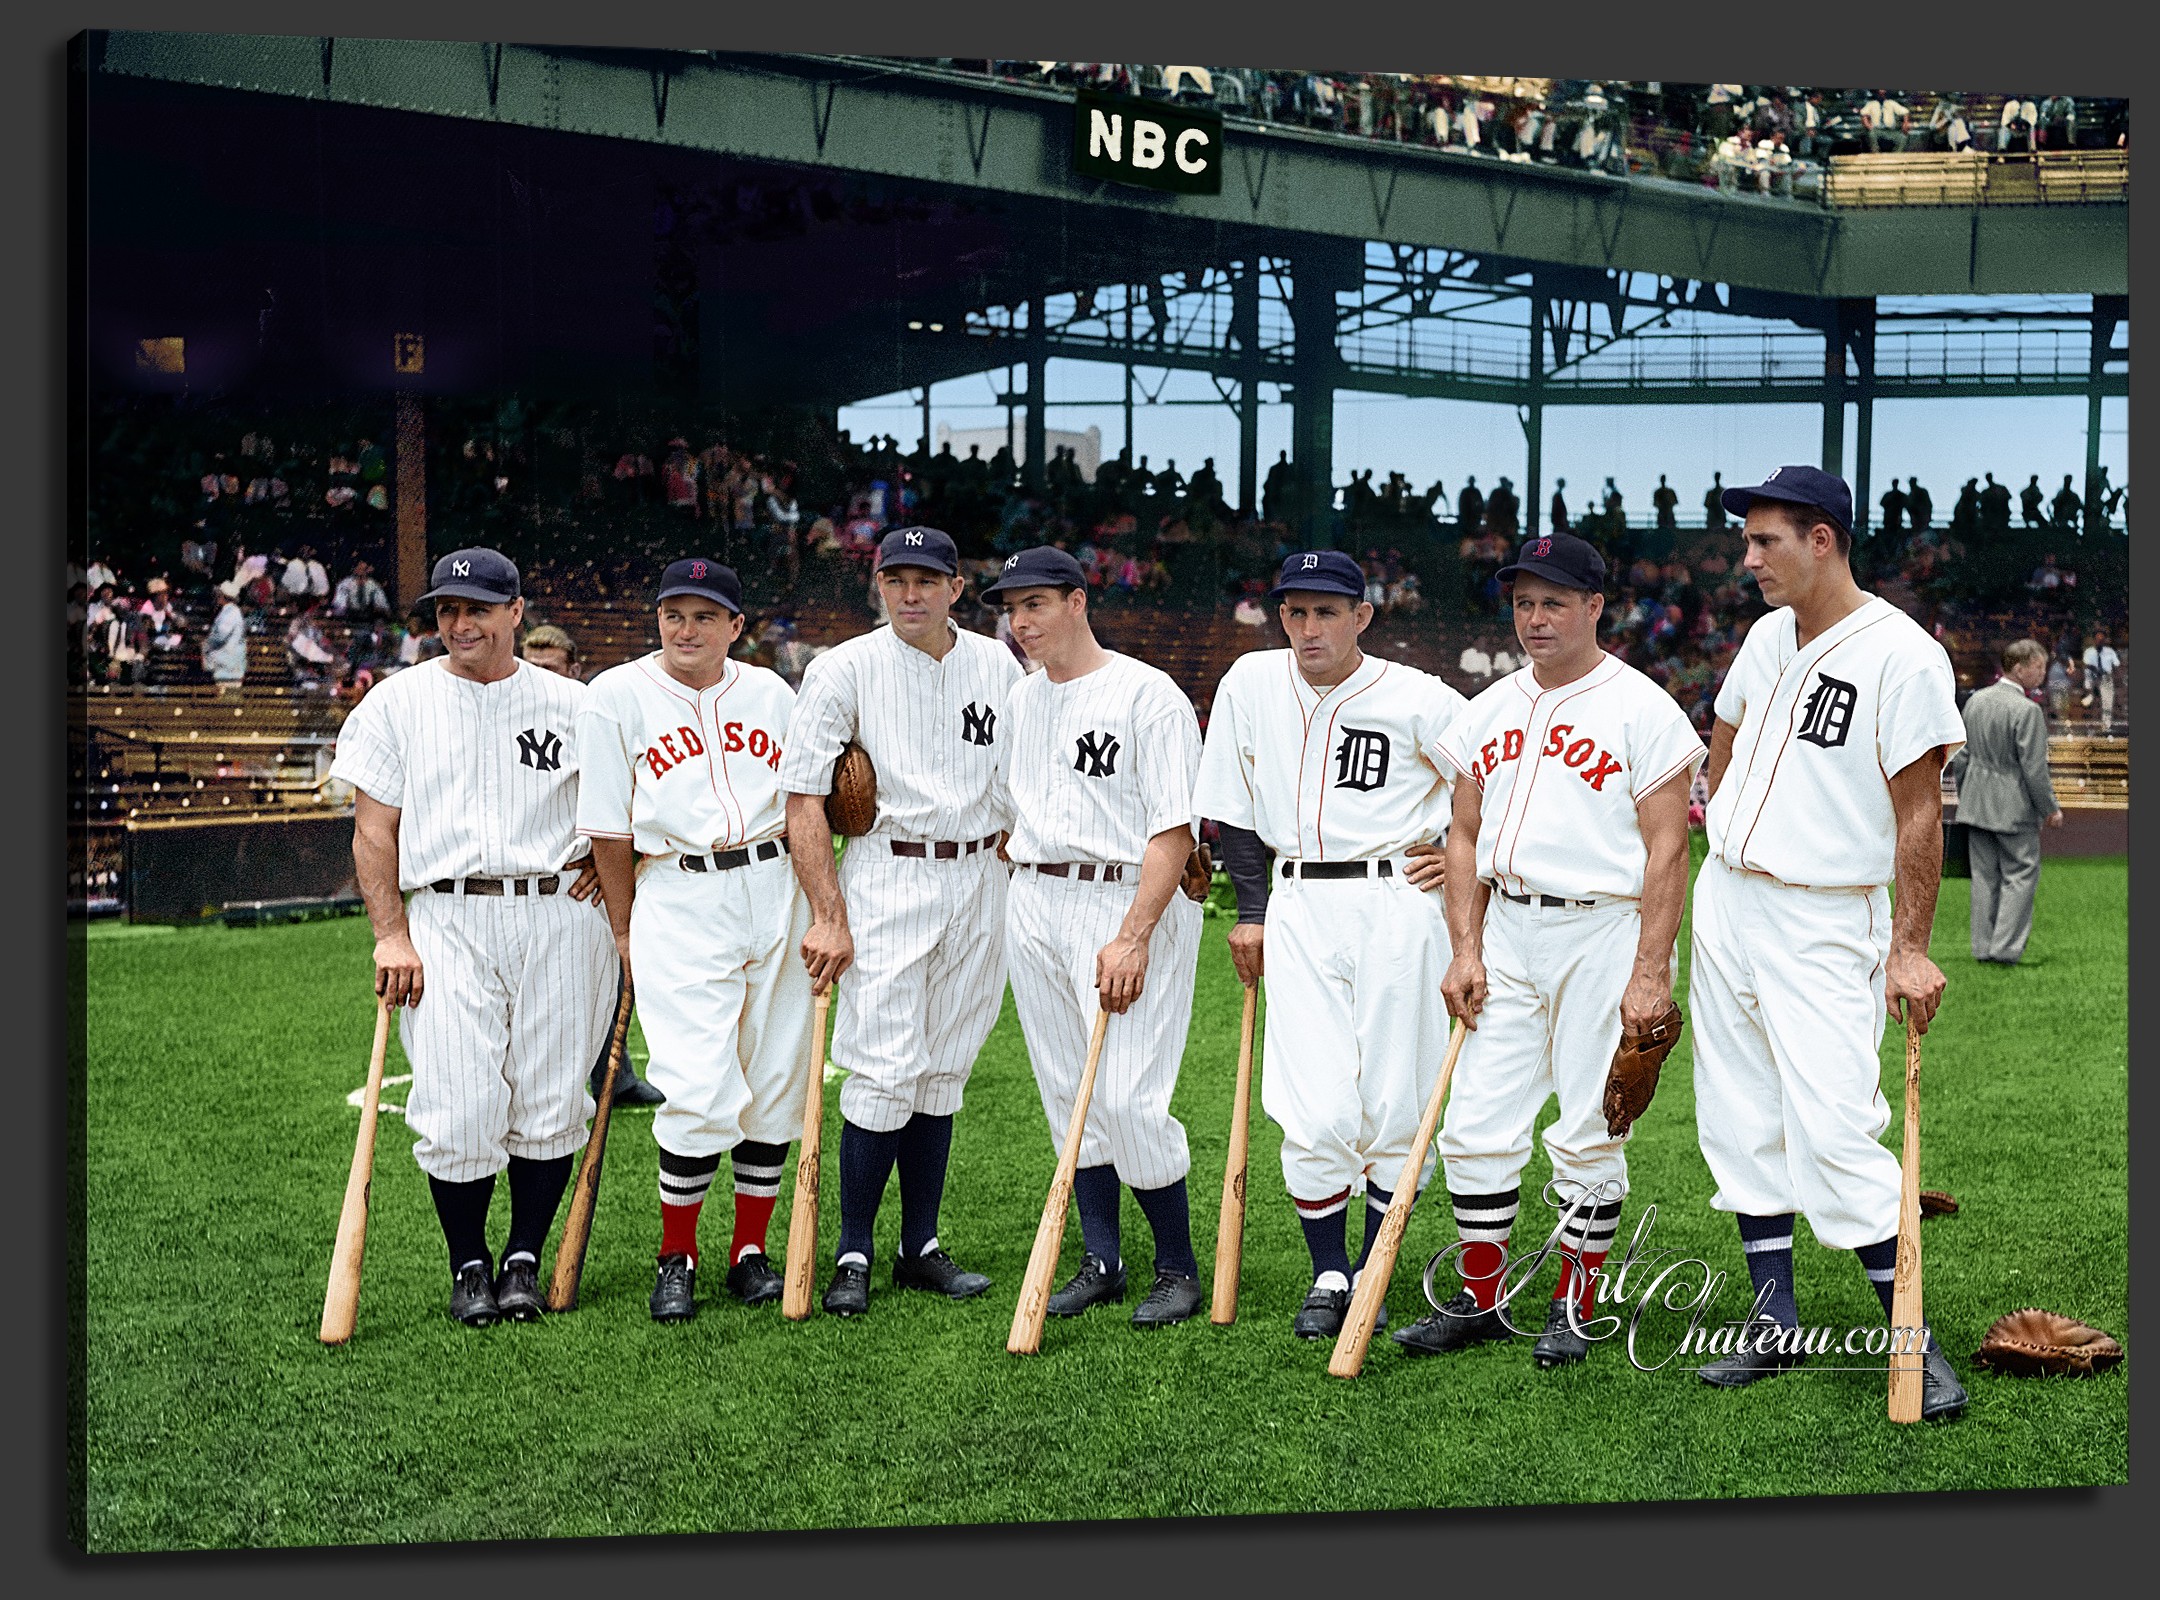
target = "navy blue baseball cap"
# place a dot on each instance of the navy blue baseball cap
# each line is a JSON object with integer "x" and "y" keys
{"x": 696, "y": 575}
{"x": 1558, "y": 558}
{"x": 1800, "y": 486}
{"x": 1043, "y": 567}
{"x": 476, "y": 574}
{"x": 919, "y": 547}
{"x": 1322, "y": 572}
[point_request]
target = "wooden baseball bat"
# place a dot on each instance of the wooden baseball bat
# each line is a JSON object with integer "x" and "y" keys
{"x": 569, "y": 1271}
{"x": 1027, "y": 1323}
{"x": 341, "y": 1300}
{"x": 1907, "y": 1381}
{"x": 1230, "y": 1230}
{"x": 1357, "y": 1329}
{"x": 802, "y": 1216}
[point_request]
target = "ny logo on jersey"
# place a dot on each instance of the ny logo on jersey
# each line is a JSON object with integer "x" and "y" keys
{"x": 542, "y": 750}
{"x": 1826, "y": 719}
{"x": 1361, "y": 760}
{"x": 1096, "y": 755}
{"x": 978, "y": 724}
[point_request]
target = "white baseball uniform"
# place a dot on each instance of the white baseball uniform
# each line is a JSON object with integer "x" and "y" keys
{"x": 520, "y": 982}
{"x": 1792, "y": 916}
{"x": 1097, "y": 766}
{"x": 691, "y": 775}
{"x": 1341, "y": 778}
{"x": 925, "y": 890}
{"x": 1559, "y": 774}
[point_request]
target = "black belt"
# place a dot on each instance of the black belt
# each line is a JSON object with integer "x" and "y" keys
{"x": 546, "y": 884}
{"x": 1548, "y": 900}
{"x": 729, "y": 860}
{"x": 942, "y": 849}
{"x": 1085, "y": 871}
{"x": 1336, "y": 869}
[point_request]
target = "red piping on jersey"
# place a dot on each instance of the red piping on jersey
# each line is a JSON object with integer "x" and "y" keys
{"x": 1320, "y": 811}
{"x": 1538, "y": 765}
{"x": 1671, "y": 772}
{"x": 1791, "y": 712}
{"x": 742, "y": 820}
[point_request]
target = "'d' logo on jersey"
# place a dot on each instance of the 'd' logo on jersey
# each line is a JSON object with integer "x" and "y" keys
{"x": 1826, "y": 719}
{"x": 1361, "y": 760}
{"x": 540, "y": 749}
{"x": 978, "y": 724}
{"x": 1095, "y": 755}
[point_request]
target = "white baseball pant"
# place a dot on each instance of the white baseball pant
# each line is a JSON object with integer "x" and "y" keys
{"x": 1054, "y": 928}
{"x": 518, "y": 1002}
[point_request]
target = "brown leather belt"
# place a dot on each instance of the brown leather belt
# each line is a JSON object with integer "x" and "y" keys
{"x": 729, "y": 860}
{"x": 1085, "y": 871}
{"x": 548, "y": 883}
{"x": 942, "y": 849}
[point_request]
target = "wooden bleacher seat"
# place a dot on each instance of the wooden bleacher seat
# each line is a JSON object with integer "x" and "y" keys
{"x": 1977, "y": 177}
{"x": 2090, "y": 773}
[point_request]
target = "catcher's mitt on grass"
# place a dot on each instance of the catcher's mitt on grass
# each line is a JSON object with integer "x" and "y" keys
{"x": 851, "y": 808}
{"x": 1937, "y": 1203}
{"x": 2035, "y": 1343}
{"x": 1633, "y": 1078}
{"x": 1199, "y": 874}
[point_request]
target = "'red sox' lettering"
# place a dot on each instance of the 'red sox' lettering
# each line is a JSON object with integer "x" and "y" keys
{"x": 664, "y": 755}
{"x": 1559, "y": 741}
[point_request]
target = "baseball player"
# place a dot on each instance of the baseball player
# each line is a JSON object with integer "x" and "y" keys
{"x": 1825, "y": 783}
{"x": 682, "y": 801}
{"x": 465, "y": 771}
{"x": 1568, "y": 874}
{"x": 914, "y": 915}
{"x": 1100, "y": 764}
{"x": 1329, "y": 758}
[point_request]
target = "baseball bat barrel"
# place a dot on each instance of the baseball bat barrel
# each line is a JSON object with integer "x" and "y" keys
{"x": 1357, "y": 1329}
{"x": 341, "y": 1300}
{"x": 1907, "y": 1380}
{"x": 1230, "y": 1230}
{"x": 802, "y": 1215}
{"x": 569, "y": 1271}
{"x": 1027, "y": 1323}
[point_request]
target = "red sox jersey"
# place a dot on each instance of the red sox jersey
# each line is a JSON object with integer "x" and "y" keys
{"x": 1822, "y": 731}
{"x": 682, "y": 770}
{"x": 1559, "y": 773}
{"x": 1340, "y": 774}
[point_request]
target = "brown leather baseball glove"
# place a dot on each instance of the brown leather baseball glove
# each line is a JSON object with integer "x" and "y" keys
{"x": 1633, "y": 1078}
{"x": 1937, "y": 1203}
{"x": 1199, "y": 874}
{"x": 2034, "y": 1343}
{"x": 851, "y": 808}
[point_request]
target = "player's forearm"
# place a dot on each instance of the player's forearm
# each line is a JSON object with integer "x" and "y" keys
{"x": 1664, "y": 896}
{"x": 810, "y": 850}
{"x": 1465, "y": 897}
{"x": 1916, "y": 797}
{"x": 1161, "y": 868}
{"x": 375, "y": 866}
{"x": 616, "y": 862}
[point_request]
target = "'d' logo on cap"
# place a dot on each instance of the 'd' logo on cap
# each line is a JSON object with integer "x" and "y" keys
{"x": 697, "y": 569}
{"x": 914, "y": 538}
{"x": 1310, "y": 563}
{"x": 1774, "y": 471}
{"x": 1538, "y": 548}
{"x": 461, "y": 569}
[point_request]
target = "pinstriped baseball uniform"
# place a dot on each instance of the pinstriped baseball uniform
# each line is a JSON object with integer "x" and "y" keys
{"x": 929, "y": 970}
{"x": 1098, "y": 766}
{"x": 722, "y": 993}
{"x": 520, "y": 988}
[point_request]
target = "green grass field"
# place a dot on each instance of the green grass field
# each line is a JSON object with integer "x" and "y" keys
{"x": 218, "y": 1140}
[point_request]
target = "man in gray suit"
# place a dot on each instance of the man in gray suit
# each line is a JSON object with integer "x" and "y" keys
{"x": 2003, "y": 797}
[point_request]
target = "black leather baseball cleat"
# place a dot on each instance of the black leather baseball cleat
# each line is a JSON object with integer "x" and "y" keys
{"x": 1744, "y": 1367}
{"x": 472, "y": 1296}
{"x": 1559, "y": 1345}
{"x": 848, "y": 1295}
{"x": 1321, "y": 1316}
{"x": 674, "y": 1295}
{"x": 755, "y": 1280}
{"x": 632, "y": 1090}
{"x": 1455, "y": 1326}
{"x": 939, "y": 1273}
{"x": 1942, "y": 1397}
{"x": 1175, "y": 1297}
{"x": 517, "y": 1291}
{"x": 1095, "y": 1284}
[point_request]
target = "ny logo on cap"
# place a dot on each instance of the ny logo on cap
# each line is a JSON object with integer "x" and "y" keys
{"x": 1309, "y": 563}
{"x": 1538, "y": 547}
{"x": 461, "y": 569}
{"x": 914, "y": 538}
{"x": 697, "y": 569}
{"x": 1011, "y": 562}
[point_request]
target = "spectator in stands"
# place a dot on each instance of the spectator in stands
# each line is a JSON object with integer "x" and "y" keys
{"x": 1249, "y": 612}
{"x": 304, "y": 580}
{"x": 679, "y": 479}
{"x": 2031, "y": 498}
{"x": 2068, "y": 509}
{"x": 358, "y": 595}
{"x": 250, "y": 580}
{"x": 2019, "y": 117}
{"x": 2004, "y": 797}
{"x": 1667, "y": 503}
{"x": 552, "y": 650}
{"x": 1885, "y": 120}
{"x": 1893, "y": 512}
{"x": 2062, "y": 672}
{"x": 1919, "y": 505}
{"x": 421, "y": 641}
{"x": 1947, "y": 128}
{"x": 160, "y": 620}
{"x": 1474, "y": 663}
{"x": 1809, "y": 140}
{"x": 1559, "y": 506}
{"x": 120, "y": 644}
{"x": 1714, "y": 504}
{"x": 314, "y": 664}
{"x": 2102, "y": 663}
{"x": 1995, "y": 506}
{"x": 224, "y": 647}
{"x": 2046, "y": 576}
{"x": 100, "y": 575}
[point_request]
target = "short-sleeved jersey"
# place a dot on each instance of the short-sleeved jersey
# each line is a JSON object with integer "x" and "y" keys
{"x": 676, "y": 769}
{"x": 1099, "y": 765}
{"x": 484, "y": 774}
{"x": 1342, "y": 774}
{"x": 934, "y": 730}
{"x": 1559, "y": 773}
{"x": 1806, "y": 797}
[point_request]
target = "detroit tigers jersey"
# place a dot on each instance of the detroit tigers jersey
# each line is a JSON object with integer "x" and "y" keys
{"x": 1100, "y": 764}
{"x": 1341, "y": 774}
{"x": 933, "y": 730}
{"x": 1822, "y": 730}
{"x": 1559, "y": 772}
{"x": 676, "y": 769}
{"x": 486, "y": 774}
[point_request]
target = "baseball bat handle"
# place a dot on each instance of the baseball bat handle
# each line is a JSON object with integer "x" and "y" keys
{"x": 569, "y": 1270}
{"x": 1907, "y": 1376}
{"x": 1357, "y": 1329}
{"x": 803, "y": 1212}
{"x": 341, "y": 1300}
{"x": 1230, "y": 1229}
{"x": 1027, "y": 1324}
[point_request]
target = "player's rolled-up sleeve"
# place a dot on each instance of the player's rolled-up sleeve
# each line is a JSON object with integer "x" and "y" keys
{"x": 1449, "y": 711}
{"x": 369, "y": 756}
{"x": 1732, "y": 696}
{"x": 1919, "y": 712}
{"x": 1223, "y": 788}
{"x": 823, "y": 721}
{"x": 607, "y": 772}
{"x": 1666, "y": 746}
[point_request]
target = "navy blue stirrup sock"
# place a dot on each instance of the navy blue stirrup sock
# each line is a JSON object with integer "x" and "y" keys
{"x": 1768, "y": 1243}
{"x": 924, "y": 1150}
{"x": 1169, "y": 1214}
{"x": 866, "y": 1161}
{"x": 1096, "y": 1192}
